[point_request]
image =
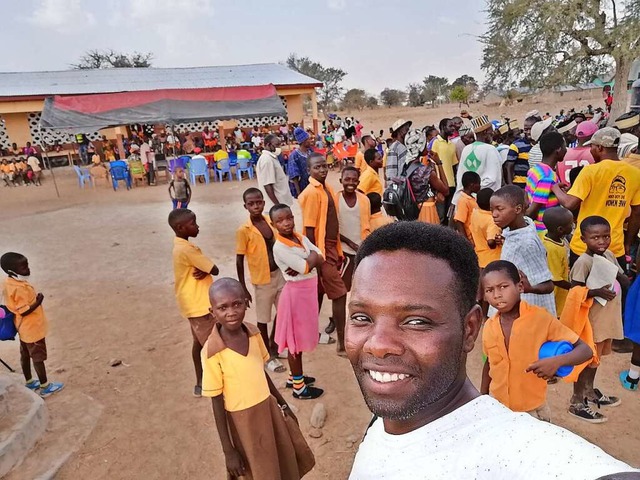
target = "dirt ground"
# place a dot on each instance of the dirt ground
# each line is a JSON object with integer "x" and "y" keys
{"x": 103, "y": 261}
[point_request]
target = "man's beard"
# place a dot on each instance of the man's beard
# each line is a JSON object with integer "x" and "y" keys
{"x": 428, "y": 390}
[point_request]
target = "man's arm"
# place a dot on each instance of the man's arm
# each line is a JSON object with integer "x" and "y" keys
{"x": 240, "y": 272}
{"x": 566, "y": 200}
{"x": 271, "y": 193}
{"x": 532, "y": 211}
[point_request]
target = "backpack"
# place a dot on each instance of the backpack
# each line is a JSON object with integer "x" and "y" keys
{"x": 8, "y": 329}
{"x": 398, "y": 198}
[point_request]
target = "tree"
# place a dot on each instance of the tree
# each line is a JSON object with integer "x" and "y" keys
{"x": 465, "y": 81}
{"x": 435, "y": 87}
{"x": 391, "y": 97}
{"x": 329, "y": 76}
{"x": 459, "y": 94}
{"x": 372, "y": 102}
{"x": 354, "y": 99}
{"x": 111, "y": 59}
{"x": 564, "y": 42}
{"x": 415, "y": 95}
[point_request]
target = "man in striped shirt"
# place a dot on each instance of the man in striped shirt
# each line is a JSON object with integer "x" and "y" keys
{"x": 517, "y": 164}
{"x": 542, "y": 177}
{"x": 397, "y": 151}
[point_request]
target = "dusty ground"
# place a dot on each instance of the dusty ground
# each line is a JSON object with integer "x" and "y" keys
{"x": 103, "y": 261}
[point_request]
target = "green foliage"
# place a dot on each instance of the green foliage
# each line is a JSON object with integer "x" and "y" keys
{"x": 329, "y": 76}
{"x": 391, "y": 97}
{"x": 354, "y": 99}
{"x": 459, "y": 94}
{"x": 465, "y": 81}
{"x": 415, "y": 95}
{"x": 93, "y": 59}
{"x": 435, "y": 87}
{"x": 372, "y": 102}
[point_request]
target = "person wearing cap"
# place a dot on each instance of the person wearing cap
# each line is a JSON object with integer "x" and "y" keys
{"x": 629, "y": 149}
{"x": 368, "y": 141}
{"x": 629, "y": 123}
{"x": 608, "y": 188}
{"x": 517, "y": 164}
{"x": 445, "y": 150}
{"x": 505, "y": 136}
{"x": 480, "y": 157}
{"x": 580, "y": 155}
{"x": 134, "y": 153}
{"x": 568, "y": 130}
{"x": 397, "y": 150}
{"x": 297, "y": 165}
{"x": 537, "y": 130}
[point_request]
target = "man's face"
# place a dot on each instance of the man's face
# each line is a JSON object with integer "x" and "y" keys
{"x": 349, "y": 181}
{"x": 449, "y": 129}
{"x": 369, "y": 142}
{"x": 457, "y": 124}
{"x": 405, "y": 337}
{"x": 318, "y": 168}
{"x": 275, "y": 143}
{"x": 527, "y": 128}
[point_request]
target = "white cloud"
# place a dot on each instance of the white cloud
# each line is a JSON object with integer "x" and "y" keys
{"x": 446, "y": 20}
{"x": 337, "y": 4}
{"x": 63, "y": 16}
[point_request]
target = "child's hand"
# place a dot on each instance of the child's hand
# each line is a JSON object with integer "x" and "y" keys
{"x": 235, "y": 463}
{"x": 499, "y": 239}
{"x": 545, "y": 368}
{"x": 526, "y": 286}
{"x": 604, "y": 292}
{"x": 199, "y": 274}
{"x": 248, "y": 295}
{"x": 291, "y": 272}
{"x": 39, "y": 297}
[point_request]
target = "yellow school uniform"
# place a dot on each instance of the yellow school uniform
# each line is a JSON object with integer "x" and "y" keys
{"x": 482, "y": 229}
{"x": 315, "y": 205}
{"x": 360, "y": 162}
{"x": 251, "y": 244}
{"x": 378, "y": 220}
{"x": 558, "y": 261}
{"x": 370, "y": 181}
{"x": 18, "y": 296}
{"x": 192, "y": 295}
{"x": 466, "y": 205}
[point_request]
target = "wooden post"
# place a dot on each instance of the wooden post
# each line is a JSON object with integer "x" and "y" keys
{"x": 120, "y": 143}
{"x": 314, "y": 111}
{"x": 223, "y": 140}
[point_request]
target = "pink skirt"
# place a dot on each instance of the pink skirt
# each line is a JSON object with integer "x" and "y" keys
{"x": 297, "y": 319}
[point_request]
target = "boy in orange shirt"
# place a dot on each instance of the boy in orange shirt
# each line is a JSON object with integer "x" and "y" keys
{"x": 467, "y": 204}
{"x": 21, "y": 300}
{"x": 321, "y": 226}
{"x": 511, "y": 340}
{"x": 192, "y": 271}
{"x": 378, "y": 218}
{"x": 254, "y": 241}
{"x": 484, "y": 231}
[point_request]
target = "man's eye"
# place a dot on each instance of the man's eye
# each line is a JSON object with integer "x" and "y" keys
{"x": 359, "y": 318}
{"x": 417, "y": 322}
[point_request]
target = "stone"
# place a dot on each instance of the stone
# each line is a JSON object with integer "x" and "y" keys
{"x": 115, "y": 362}
{"x": 315, "y": 433}
{"x": 318, "y": 415}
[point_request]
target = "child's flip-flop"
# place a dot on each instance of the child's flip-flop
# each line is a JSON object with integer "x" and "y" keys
{"x": 325, "y": 339}
{"x": 275, "y": 365}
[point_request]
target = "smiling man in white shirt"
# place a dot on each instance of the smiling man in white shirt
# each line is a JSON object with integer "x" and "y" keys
{"x": 413, "y": 319}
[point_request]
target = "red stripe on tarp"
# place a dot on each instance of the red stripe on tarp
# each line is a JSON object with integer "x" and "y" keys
{"x": 104, "y": 102}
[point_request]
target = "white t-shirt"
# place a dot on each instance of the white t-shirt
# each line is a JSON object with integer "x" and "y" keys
{"x": 482, "y": 440}
{"x": 349, "y": 224}
{"x": 295, "y": 258}
{"x": 485, "y": 160}
{"x": 270, "y": 172}
{"x": 338, "y": 135}
{"x": 34, "y": 163}
{"x": 256, "y": 140}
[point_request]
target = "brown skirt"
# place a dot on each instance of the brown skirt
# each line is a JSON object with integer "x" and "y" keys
{"x": 271, "y": 444}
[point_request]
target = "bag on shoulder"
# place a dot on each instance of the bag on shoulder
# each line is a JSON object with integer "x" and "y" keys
{"x": 8, "y": 329}
{"x": 398, "y": 198}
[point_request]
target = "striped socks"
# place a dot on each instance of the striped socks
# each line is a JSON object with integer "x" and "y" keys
{"x": 298, "y": 383}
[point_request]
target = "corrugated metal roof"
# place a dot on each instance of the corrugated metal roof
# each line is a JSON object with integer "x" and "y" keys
{"x": 111, "y": 80}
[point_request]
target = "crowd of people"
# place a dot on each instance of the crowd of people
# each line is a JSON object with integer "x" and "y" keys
{"x": 528, "y": 233}
{"x": 23, "y": 168}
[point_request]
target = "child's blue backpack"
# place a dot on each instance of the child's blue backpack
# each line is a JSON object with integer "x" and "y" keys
{"x": 8, "y": 329}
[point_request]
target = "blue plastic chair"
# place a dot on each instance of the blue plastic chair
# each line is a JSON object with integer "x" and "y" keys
{"x": 244, "y": 165}
{"x": 233, "y": 159}
{"x": 119, "y": 172}
{"x": 83, "y": 176}
{"x": 198, "y": 167}
{"x": 254, "y": 158}
{"x": 222, "y": 168}
{"x": 180, "y": 162}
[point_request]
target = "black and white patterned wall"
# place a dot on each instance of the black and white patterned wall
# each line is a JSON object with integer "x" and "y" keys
{"x": 5, "y": 143}
{"x": 49, "y": 137}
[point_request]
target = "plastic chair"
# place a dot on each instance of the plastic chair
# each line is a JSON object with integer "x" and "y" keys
{"x": 222, "y": 168}
{"x": 137, "y": 171}
{"x": 198, "y": 167}
{"x": 83, "y": 176}
{"x": 180, "y": 162}
{"x": 119, "y": 172}
{"x": 233, "y": 159}
{"x": 162, "y": 165}
{"x": 244, "y": 166}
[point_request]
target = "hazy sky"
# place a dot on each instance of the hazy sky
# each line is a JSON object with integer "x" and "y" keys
{"x": 380, "y": 43}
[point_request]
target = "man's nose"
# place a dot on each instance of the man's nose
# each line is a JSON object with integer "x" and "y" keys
{"x": 385, "y": 339}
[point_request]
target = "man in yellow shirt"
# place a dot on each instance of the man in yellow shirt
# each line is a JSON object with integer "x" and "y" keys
{"x": 192, "y": 271}
{"x": 369, "y": 176}
{"x": 368, "y": 141}
{"x": 445, "y": 150}
{"x": 609, "y": 188}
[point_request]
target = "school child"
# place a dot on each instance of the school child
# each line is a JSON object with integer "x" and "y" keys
{"x": 192, "y": 272}
{"x": 558, "y": 222}
{"x": 378, "y": 218}
{"x": 467, "y": 204}
{"x": 21, "y": 299}
{"x": 522, "y": 246}
{"x": 181, "y": 195}
{"x": 353, "y": 220}
{"x": 484, "y": 231}
{"x": 258, "y": 431}
{"x": 511, "y": 340}
{"x": 254, "y": 241}
{"x": 297, "y": 325}
{"x": 369, "y": 176}
{"x": 606, "y": 321}
{"x": 7, "y": 173}
{"x": 319, "y": 205}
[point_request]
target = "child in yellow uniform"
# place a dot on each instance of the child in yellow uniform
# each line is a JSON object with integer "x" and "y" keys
{"x": 484, "y": 231}
{"x": 559, "y": 223}
{"x": 257, "y": 440}
{"x": 467, "y": 204}
{"x": 21, "y": 300}
{"x": 254, "y": 241}
{"x": 511, "y": 340}
{"x": 378, "y": 218}
{"x": 192, "y": 271}
{"x": 369, "y": 176}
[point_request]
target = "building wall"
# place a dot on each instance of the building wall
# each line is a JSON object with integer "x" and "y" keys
{"x": 17, "y": 126}
{"x": 295, "y": 110}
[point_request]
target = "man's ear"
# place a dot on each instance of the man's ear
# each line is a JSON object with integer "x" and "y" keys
{"x": 472, "y": 323}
